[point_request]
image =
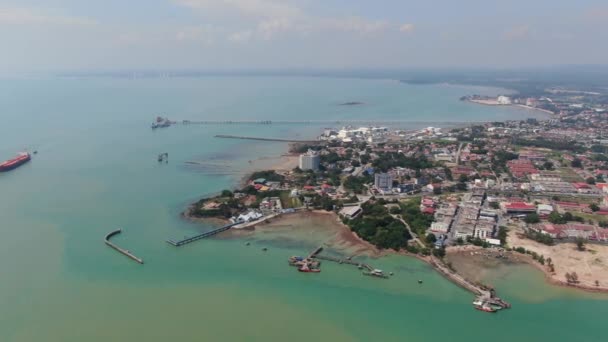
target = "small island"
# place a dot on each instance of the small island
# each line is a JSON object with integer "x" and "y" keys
{"x": 352, "y": 103}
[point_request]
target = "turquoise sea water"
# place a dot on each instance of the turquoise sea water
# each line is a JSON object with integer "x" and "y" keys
{"x": 96, "y": 170}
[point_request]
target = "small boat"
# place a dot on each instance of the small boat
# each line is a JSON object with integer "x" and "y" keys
{"x": 483, "y": 306}
{"x": 486, "y": 308}
{"x": 264, "y": 249}
{"x": 376, "y": 273}
{"x": 307, "y": 269}
{"x": 419, "y": 281}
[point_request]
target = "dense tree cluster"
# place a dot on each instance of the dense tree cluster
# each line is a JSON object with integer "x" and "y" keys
{"x": 378, "y": 227}
{"x": 389, "y": 160}
{"x": 417, "y": 221}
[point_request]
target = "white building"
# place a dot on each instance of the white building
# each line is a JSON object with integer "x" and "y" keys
{"x": 310, "y": 161}
{"x": 447, "y": 157}
{"x": 504, "y": 100}
{"x": 351, "y": 212}
{"x": 483, "y": 232}
{"x": 383, "y": 181}
{"x": 440, "y": 227}
{"x": 249, "y": 216}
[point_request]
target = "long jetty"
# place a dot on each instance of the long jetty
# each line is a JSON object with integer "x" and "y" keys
{"x": 324, "y": 122}
{"x": 201, "y": 236}
{"x": 265, "y": 139}
{"x": 317, "y": 255}
{"x": 460, "y": 280}
{"x": 119, "y": 249}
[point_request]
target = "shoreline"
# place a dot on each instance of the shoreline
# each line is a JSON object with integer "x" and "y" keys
{"x": 289, "y": 160}
{"x": 493, "y": 103}
{"x": 515, "y": 258}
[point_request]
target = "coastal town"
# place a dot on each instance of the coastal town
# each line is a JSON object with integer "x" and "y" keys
{"x": 534, "y": 191}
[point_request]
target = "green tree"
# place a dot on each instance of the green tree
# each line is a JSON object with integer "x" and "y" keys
{"x": 439, "y": 252}
{"x": 590, "y": 180}
{"x": 532, "y": 218}
{"x": 556, "y": 218}
{"x": 430, "y": 238}
{"x": 576, "y": 163}
{"x": 580, "y": 243}
{"x": 548, "y": 165}
{"x": 502, "y": 235}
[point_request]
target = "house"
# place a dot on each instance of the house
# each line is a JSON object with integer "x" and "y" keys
{"x": 582, "y": 188}
{"x": 603, "y": 187}
{"x": 515, "y": 208}
{"x": 249, "y": 216}
{"x": 351, "y": 212}
{"x": 440, "y": 227}
{"x": 544, "y": 210}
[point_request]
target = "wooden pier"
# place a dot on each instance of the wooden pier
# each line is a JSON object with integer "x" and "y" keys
{"x": 201, "y": 236}
{"x": 119, "y": 249}
{"x": 316, "y": 254}
{"x": 460, "y": 280}
{"x": 326, "y": 122}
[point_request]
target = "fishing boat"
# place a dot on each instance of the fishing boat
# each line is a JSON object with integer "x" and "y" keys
{"x": 307, "y": 269}
{"x": 483, "y": 306}
{"x": 376, "y": 273}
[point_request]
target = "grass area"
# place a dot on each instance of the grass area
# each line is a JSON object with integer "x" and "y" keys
{"x": 596, "y": 218}
{"x": 568, "y": 175}
{"x": 289, "y": 202}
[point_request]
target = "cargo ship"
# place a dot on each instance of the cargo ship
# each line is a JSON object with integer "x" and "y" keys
{"x": 14, "y": 163}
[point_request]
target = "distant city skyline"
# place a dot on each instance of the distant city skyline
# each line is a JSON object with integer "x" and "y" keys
{"x": 55, "y": 35}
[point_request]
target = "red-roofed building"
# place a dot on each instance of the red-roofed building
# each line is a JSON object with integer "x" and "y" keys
{"x": 518, "y": 208}
{"x": 602, "y": 186}
{"x": 428, "y": 210}
{"x": 582, "y": 188}
{"x": 520, "y": 168}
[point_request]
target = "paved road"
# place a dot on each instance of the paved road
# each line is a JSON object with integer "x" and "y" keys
{"x": 414, "y": 235}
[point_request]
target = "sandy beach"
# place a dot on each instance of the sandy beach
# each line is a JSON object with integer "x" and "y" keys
{"x": 590, "y": 265}
{"x": 493, "y": 102}
{"x": 311, "y": 227}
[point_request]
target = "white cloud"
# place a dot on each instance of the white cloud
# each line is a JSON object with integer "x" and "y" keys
{"x": 354, "y": 24}
{"x": 269, "y": 19}
{"x": 517, "y": 33}
{"x": 407, "y": 28}
{"x": 203, "y": 34}
{"x": 29, "y": 16}
{"x": 260, "y": 8}
{"x": 241, "y": 36}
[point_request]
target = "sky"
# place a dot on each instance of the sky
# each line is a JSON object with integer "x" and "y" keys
{"x": 62, "y": 35}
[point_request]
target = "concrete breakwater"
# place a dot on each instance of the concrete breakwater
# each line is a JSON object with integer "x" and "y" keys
{"x": 119, "y": 249}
